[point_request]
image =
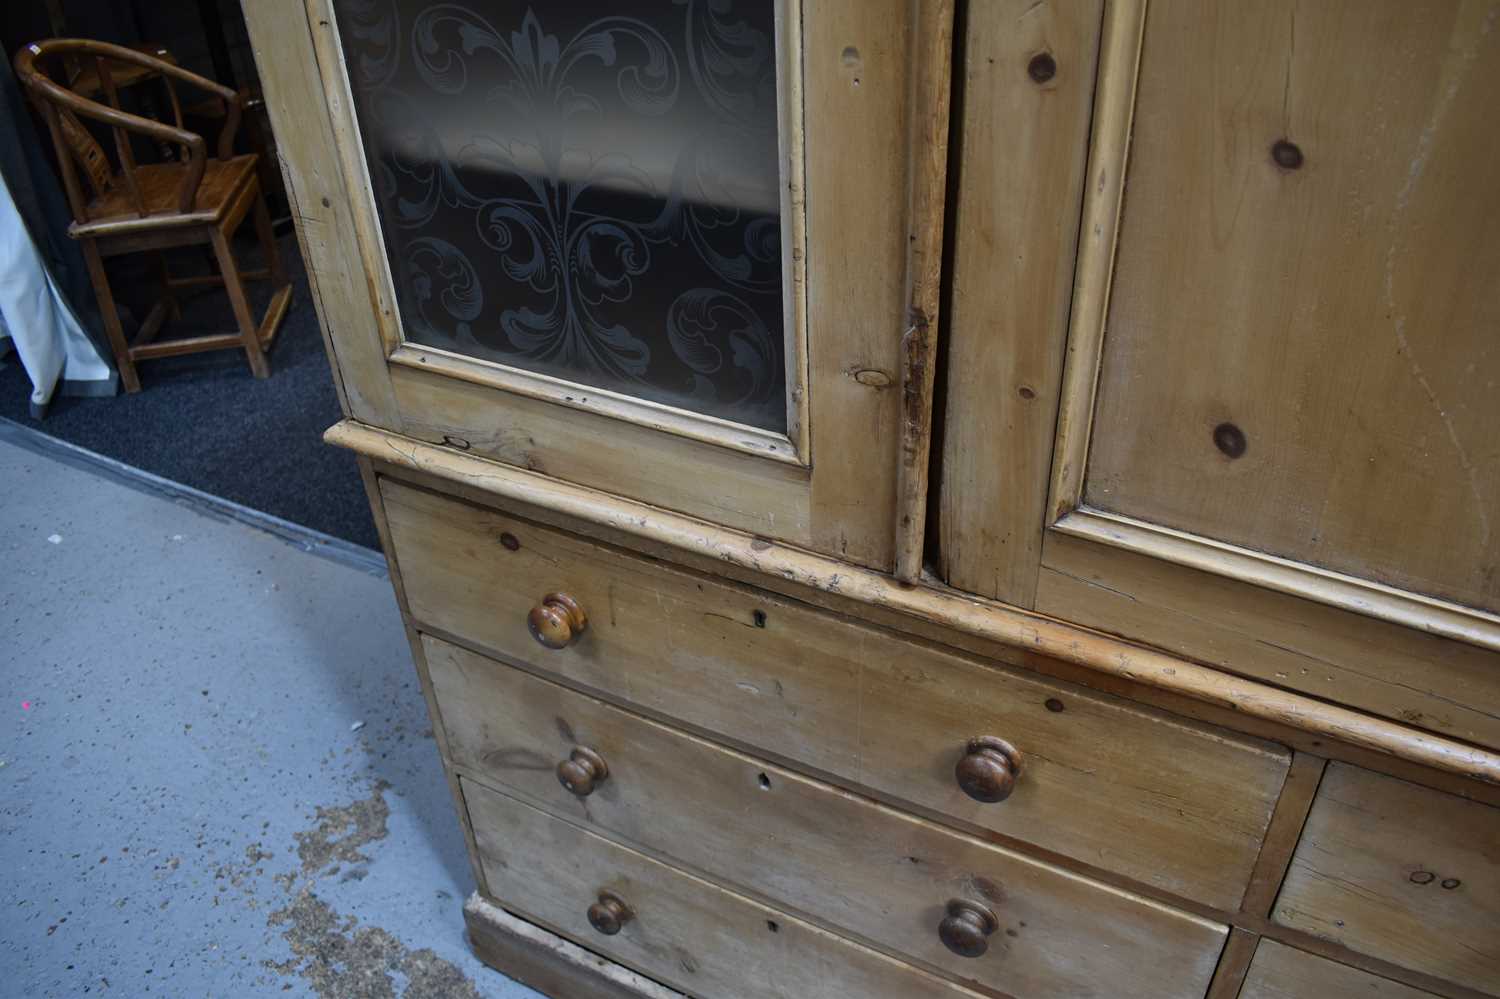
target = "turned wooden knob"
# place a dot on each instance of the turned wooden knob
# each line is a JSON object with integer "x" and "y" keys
{"x": 582, "y": 771}
{"x": 988, "y": 769}
{"x": 609, "y": 914}
{"x": 966, "y": 929}
{"x": 557, "y": 621}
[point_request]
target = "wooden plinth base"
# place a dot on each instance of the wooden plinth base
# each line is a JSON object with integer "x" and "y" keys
{"x": 548, "y": 963}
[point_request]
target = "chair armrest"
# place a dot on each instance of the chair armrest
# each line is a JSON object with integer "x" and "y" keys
{"x": 57, "y": 96}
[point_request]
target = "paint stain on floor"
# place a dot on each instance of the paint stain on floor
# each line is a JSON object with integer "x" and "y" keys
{"x": 341, "y": 832}
{"x": 338, "y": 958}
{"x": 162, "y": 763}
{"x": 341, "y": 960}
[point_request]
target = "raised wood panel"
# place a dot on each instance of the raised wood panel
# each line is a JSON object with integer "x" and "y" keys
{"x": 854, "y": 865}
{"x": 1176, "y": 805}
{"x": 1184, "y": 91}
{"x": 1340, "y": 313}
{"x": 686, "y": 932}
{"x": 1282, "y": 972}
{"x": 1402, "y": 873}
{"x": 1023, "y": 145}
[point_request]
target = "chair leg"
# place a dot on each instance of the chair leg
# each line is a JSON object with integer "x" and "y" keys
{"x": 173, "y": 305}
{"x": 267, "y": 236}
{"x": 236, "y": 289}
{"x": 112, "y": 328}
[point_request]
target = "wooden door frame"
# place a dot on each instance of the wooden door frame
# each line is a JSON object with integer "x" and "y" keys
{"x": 792, "y": 447}
{"x": 1022, "y": 535}
{"x": 831, "y": 484}
{"x": 1400, "y": 654}
{"x": 1068, "y": 512}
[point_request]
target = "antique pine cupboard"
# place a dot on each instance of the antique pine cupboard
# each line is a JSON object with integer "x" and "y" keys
{"x": 905, "y": 498}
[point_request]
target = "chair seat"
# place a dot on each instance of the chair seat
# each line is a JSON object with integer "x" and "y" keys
{"x": 114, "y": 212}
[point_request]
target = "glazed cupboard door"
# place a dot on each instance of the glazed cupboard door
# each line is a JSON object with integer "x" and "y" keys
{"x": 658, "y": 248}
{"x": 1224, "y": 371}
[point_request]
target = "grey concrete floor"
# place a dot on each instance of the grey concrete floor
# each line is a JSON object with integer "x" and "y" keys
{"x": 217, "y": 775}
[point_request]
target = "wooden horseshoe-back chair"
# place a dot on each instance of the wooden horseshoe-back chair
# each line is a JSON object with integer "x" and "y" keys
{"x": 121, "y": 207}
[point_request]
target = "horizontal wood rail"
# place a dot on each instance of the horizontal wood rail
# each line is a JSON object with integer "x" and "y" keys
{"x": 984, "y": 619}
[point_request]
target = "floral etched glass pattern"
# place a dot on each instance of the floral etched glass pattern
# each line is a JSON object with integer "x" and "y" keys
{"x": 585, "y": 190}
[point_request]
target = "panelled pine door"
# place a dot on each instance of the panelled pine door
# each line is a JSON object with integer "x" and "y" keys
{"x": 613, "y": 245}
{"x": 1225, "y": 354}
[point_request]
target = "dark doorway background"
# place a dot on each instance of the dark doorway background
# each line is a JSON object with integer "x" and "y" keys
{"x": 206, "y": 36}
{"x": 202, "y": 419}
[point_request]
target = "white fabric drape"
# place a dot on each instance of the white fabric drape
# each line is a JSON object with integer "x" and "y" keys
{"x": 52, "y": 346}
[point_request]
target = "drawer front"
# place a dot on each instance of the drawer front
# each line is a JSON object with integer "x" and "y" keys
{"x": 1172, "y": 804}
{"x": 1282, "y": 972}
{"x": 1402, "y": 873}
{"x": 854, "y": 865}
{"x": 681, "y": 930}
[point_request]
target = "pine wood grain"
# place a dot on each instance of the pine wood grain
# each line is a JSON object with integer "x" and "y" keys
{"x": 858, "y": 93}
{"x": 1284, "y": 833}
{"x": 1234, "y": 962}
{"x": 852, "y": 127}
{"x": 1339, "y": 314}
{"x": 762, "y": 497}
{"x": 686, "y": 932}
{"x": 1282, "y": 972}
{"x": 910, "y": 611}
{"x": 1019, "y": 189}
{"x": 547, "y": 962}
{"x": 1402, "y": 873}
{"x": 370, "y": 482}
{"x": 932, "y": 57}
{"x": 1423, "y": 680}
{"x": 853, "y": 865}
{"x": 1176, "y": 805}
{"x": 921, "y": 609}
{"x": 287, "y": 63}
{"x": 1098, "y": 238}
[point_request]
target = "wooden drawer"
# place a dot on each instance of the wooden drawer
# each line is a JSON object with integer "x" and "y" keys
{"x": 1176, "y": 805}
{"x": 683, "y": 931}
{"x": 856, "y": 866}
{"x": 1282, "y": 972}
{"x": 1402, "y": 873}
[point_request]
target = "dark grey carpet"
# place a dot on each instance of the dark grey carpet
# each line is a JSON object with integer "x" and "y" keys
{"x": 203, "y": 421}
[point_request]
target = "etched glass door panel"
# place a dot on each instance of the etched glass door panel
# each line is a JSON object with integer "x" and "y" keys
{"x": 585, "y": 191}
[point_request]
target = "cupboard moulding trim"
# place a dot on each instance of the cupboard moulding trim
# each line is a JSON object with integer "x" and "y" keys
{"x": 984, "y": 619}
{"x": 790, "y": 116}
{"x": 1362, "y": 596}
{"x": 642, "y": 412}
{"x": 1103, "y": 199}
{"x": 338, "y": 94}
